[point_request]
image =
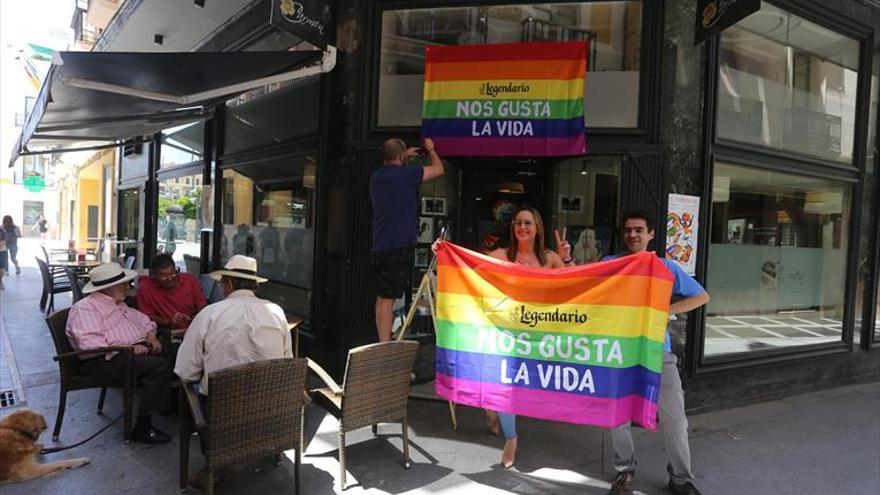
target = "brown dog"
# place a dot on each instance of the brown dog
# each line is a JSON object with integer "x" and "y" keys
{"x": 19, "y": 448}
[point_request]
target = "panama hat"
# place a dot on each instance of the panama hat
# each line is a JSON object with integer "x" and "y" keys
{"x": 106, "y": 276}
{"x": 239, "y": 266}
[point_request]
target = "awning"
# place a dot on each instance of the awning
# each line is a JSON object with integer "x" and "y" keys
{"x": 91, "y": 100}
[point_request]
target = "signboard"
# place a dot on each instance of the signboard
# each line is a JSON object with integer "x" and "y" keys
{"x": 682, "y": 223}
{"x": 714, "y": 16}
{"x": 584, "y": 346}
{"x": 307, "y": 19}
{"x": 34, "y": 183}
{"x": 510, "y": 99}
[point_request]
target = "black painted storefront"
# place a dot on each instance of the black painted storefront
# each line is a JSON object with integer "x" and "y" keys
{"x": 669, "y": 150}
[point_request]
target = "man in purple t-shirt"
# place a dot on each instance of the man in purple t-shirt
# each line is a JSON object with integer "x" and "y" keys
{"x": 394, "y": 190}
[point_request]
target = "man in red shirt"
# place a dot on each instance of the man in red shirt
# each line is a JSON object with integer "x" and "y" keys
{"x": 168, "y": 297}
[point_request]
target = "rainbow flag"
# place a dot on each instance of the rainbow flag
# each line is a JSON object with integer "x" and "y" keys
{"x": 581, "y": 345}
{"x": 511, "y": 99}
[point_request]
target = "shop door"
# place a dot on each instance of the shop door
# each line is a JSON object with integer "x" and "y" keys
{"x": 491, "y": 192}
{"x": 129, "y": 222}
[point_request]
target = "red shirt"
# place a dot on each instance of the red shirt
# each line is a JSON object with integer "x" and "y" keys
{"x": 155, "y": 300}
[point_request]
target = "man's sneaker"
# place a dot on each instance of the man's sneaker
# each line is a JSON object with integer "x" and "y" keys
{"x": 686, "y": 488}
{"x": 622, "y": 484}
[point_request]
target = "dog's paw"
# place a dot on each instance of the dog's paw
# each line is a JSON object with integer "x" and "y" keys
{"x": 82, "y": 461}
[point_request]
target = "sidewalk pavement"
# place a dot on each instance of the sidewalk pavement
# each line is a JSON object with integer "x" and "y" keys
{"x": 818, "y": 443}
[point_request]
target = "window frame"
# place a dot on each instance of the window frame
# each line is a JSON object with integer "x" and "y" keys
{"x": 736, "y": 153}
{"x": 649, "y": 61}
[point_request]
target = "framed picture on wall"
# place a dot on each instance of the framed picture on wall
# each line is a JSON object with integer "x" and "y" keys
{"x": 426, "y": 230}
{"x": 570, "y": 203}
{"x": 422, "y": 256}
{"x": 435, "y": 207}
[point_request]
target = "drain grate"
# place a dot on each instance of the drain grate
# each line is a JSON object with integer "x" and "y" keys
{"x": 7, "y": 398}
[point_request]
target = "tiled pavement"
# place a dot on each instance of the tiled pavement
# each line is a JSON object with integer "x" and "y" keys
{"x": 820, "y": 443}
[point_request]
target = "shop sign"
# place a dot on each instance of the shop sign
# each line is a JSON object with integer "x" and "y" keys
{"x": 34, "y": 183}
{"x": 682, "y": 223}
{"x": 307, "y": 19}
{"x": 714, "y": 16}
{"x": 511, "y": 99}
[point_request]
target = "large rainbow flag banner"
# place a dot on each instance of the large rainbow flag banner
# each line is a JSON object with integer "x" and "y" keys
{"x": 511, "y": 99}
{"x": 581, "y": 345}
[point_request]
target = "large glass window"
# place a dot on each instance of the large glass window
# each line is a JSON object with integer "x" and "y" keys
{"x": 613, "y": 29}
{"x": 777, "y": 260}
{"x": 268, "y": 213}
{"x": 183, "y": 144}
{"x": 179, "y": 219}
{"x": 586, "y": 203}
{"x": 787, "y": 83}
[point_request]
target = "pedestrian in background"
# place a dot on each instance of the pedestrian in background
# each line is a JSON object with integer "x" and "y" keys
{"x": 12, "y": 235}
{"x": 3, "y": 261}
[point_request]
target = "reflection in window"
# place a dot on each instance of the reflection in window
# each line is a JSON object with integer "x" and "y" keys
{"x": 268, "y": 213}
{"x": 272, "y": 114}
{"x": 183, "y": 144}
{"x": 777, "y": 260}
{"x": 586, "y": 205}
{"x": 787, "y": 83}
{"x": 612, "y": 28}
{"x": 179, "y": 219}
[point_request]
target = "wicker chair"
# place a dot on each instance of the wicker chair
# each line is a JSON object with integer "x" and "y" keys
{"x": 52, "y": 284}
{"x": 374, "y": 390}
{"x": 253, "y": 410}
{"x": 72, "y": 379}
{"x": 76, "y": 292}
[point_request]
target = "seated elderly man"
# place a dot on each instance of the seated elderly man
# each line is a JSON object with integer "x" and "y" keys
{"x": 241, "y": 328}
{"x": 101, "y": 320}
{"x": 168, "y": 297}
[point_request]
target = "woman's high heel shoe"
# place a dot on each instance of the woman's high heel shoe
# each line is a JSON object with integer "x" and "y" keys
{"x": 508, "y": 456}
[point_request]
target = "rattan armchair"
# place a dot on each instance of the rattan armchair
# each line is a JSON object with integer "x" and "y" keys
{"x": 375, "y": 389}
{"x": 72, "y": 379}
{"x": 253, "y": 410}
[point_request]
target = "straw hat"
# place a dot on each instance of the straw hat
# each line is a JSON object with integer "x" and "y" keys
{"x": 106, "y": 276}
{"x": 239, "y": 266}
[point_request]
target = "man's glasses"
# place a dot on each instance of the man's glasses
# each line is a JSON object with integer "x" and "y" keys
{"x": 523, "y": 223}
{"x": 168, "y": 276}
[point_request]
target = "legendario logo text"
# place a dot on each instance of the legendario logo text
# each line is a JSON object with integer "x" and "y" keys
{"x": 494, "y": 90}
{"x": 521, "y": 314}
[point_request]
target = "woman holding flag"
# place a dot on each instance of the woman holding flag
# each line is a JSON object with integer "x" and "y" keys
{"x": 526, "y": 248}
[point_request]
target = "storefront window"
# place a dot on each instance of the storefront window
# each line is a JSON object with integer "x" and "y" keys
{"x": 183, "y": 144}
{"x": 272, "y": 114}
{"x": 268, "y": 213}
{"x": 777, "y": 260}
{"x": 179, "y": 220}
{"x": 586, "y": 204}
{"x": 613, "y": 30}
{"x": 786, "y": 83}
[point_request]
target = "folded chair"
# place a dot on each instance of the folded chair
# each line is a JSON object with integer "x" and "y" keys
{"x": 375, "y": 389}
{"x": 72, "y": 379}
{"x": 253, "y": 410}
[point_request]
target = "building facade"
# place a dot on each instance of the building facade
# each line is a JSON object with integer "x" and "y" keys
{"x": 770, "y": 125}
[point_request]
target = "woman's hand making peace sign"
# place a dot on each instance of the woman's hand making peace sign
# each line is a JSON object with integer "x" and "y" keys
{"x": 563, "y": 248}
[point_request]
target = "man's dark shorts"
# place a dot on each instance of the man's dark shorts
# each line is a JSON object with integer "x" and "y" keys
{"x": 391, "y": 270}
{"x": 4, "y": 260}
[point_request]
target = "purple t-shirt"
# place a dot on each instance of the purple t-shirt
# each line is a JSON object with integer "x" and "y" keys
{"x": 394, "y": 191}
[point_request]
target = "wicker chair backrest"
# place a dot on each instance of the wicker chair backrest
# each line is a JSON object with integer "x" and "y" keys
{"x": 255, "y": 410}
{"x": 376, "y": 386}
{"x": 75, "y": 287}
{"x": 57, "y": 323}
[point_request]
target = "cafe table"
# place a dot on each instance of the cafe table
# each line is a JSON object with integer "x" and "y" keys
{"x": 81, "y": 268}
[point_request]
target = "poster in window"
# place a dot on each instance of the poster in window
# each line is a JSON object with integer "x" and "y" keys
{"x": 682, "y": 222}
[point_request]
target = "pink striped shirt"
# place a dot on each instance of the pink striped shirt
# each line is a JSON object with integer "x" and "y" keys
{"x": 98, "y": 321}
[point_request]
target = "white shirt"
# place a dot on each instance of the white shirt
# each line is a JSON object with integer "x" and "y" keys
{"x": 239, "y": 329}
